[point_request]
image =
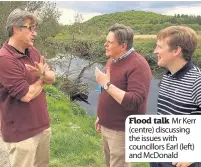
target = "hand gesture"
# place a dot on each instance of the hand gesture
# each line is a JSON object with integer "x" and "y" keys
{"x": 40, "y": 68}
{"x": 102, "y": 78}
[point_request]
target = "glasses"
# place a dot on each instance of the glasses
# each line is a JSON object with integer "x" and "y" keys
{"x": 32, "y": 28}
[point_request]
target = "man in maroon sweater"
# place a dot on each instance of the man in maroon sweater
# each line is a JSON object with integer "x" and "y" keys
{"x": 25, "y": 122}
{"x": 125, "y": 88}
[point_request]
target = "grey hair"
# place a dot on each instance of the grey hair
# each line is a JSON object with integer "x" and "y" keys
{"x": 17, "y": 18}
{"x": 124, "y": 34}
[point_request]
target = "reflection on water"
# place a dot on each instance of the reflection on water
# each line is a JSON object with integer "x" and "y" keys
{"x": 88, "y": 77}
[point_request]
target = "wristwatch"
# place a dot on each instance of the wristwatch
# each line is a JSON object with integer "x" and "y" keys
{"x": 106, "y": 86}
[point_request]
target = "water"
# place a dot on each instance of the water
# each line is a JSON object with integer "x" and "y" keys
{"x": 152, "y": 99}
{"x": 88, "y": 77}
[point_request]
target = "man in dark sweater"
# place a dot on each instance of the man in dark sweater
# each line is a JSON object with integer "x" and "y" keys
{"x": 125, "y": 88}
{"x": 25, "y": 122}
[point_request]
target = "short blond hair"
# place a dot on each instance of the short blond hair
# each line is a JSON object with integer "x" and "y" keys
{"x": 180, "y": 36}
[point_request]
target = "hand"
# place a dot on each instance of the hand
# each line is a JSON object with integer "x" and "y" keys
{"x": 102, "y": 78}
{"x": 40, "y": 68}
{"x": 97, "y": 125}
{"x": 46, "y": 68}
{"x": 182, "y": 164}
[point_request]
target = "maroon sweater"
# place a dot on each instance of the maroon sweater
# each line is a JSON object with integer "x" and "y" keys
{"x": 133, "y": 75}
{"x": 20, "y": 120}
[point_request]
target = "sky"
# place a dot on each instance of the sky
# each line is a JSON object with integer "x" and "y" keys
{"x": 89, "y": 9}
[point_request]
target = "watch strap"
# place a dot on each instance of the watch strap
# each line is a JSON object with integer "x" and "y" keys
{"x": 108, "y": 84}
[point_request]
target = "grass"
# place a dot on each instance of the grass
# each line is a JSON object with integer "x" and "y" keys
{"x": 74, "y": 141}
{"x": 144, "y": 36}
{"x": 83, "y": 37}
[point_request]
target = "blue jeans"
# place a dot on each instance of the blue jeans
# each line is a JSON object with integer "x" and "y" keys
{"x": 169, "y": 164}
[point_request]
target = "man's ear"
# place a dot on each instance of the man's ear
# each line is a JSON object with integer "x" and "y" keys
{"x": 124, "y": 46}
{"x": 15, "y": 29}
{"x": 178, "y": 51}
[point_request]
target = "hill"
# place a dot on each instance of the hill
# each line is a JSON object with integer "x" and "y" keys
{"x": 141, "y": 21}
{"x": 129, "y": 18}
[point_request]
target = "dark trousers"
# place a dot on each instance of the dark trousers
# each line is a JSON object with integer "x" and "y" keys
{"x": 169, "y": 164}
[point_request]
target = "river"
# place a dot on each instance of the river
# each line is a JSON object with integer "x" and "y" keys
{"x": 88, "y": 77}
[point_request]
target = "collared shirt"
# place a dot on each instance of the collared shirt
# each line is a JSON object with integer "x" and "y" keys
{"x": 180, "y": 93}
{"x": 180, "y": 73}
{"x": 114, "y": 61}
{"x": 124, "y": 55}
{"x": 26, "y": 51}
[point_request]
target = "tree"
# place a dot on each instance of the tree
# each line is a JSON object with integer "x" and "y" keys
{"x": 77, "y": 26}
{"x": 49, "y": 16}
{"x": 5, "y": 8}
{"x": 46, "y": 11}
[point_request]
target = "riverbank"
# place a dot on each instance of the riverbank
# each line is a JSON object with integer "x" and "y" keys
{"x": 92, "y": 47}
{"x": 74, "y": 142}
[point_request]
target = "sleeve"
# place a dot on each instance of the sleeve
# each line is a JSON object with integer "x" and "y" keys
{"x": 139, "y": 80}
{"x": 196, "y": 92}
{"x": 12, "y": 77}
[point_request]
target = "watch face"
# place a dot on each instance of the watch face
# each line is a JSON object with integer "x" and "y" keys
{"x": 105, "y": 86}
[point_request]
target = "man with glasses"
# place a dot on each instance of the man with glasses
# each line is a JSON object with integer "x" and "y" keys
{"x": 125, "y": 88}
{"x": 32, "y": 28}
{"x": 25, "y": 122}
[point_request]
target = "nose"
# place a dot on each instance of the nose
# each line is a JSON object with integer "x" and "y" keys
{"x": 34, "y": 33}
{"x": 155, "y": 51}
{"x": 106, "y": 44}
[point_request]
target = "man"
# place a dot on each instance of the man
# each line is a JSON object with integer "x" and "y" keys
{"x": 125, "y": 88}
{"x": 179, "y": 91}
{"x": 25, "y": 123}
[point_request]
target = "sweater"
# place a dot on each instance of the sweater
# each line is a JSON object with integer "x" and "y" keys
{"x": 20, "y": 120}
{"x": 133, "y": 75}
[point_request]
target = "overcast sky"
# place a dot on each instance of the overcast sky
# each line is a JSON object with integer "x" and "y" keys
{"x": 89, "y": 9}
